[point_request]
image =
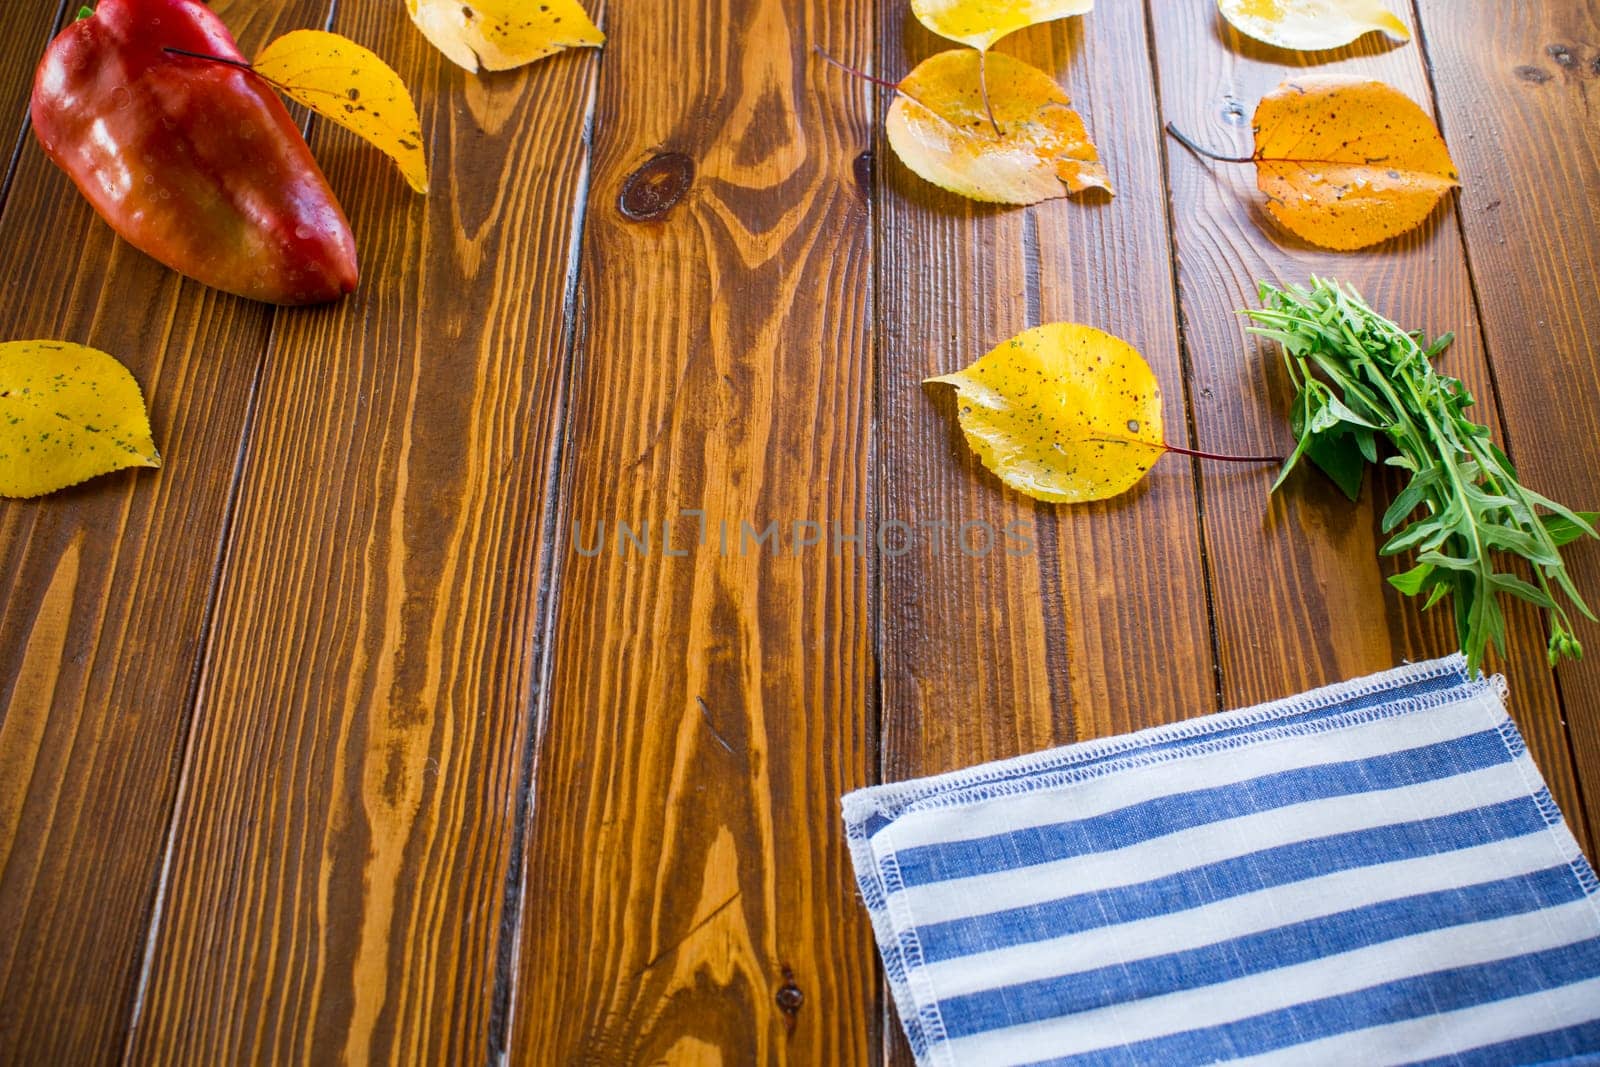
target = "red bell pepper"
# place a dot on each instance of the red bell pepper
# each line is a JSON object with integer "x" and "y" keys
{"x": 195, "y": 162}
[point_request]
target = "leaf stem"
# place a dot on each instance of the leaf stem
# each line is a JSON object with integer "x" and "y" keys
{"x": 225, "y": 61}
{"x": 1218, "y": 456}
{"x": 817, "y": 48}
{"x": 1193, "y": 146}
{"x": 983, "y": 87}
{"x": 1165, "y": 446}
{"x": 241, "y": 64}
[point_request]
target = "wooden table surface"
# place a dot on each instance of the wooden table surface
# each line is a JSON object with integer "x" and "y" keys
{"x": 335, "y": 741}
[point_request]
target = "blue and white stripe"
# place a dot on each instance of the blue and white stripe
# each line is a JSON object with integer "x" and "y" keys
{"x": 1372, "y": 873}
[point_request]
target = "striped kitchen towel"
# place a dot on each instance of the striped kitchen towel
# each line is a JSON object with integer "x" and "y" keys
{"x": 1371, "y": 873}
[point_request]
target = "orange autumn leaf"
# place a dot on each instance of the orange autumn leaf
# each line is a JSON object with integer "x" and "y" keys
{"x": 939, "y": 126}
{"x": 1345, "y": 162}
{"x": 1062, "y": 412}
{"x": 1348, "y": 162}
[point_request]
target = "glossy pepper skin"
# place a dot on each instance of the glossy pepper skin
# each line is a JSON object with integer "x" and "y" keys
{"x": 194, "y": 162}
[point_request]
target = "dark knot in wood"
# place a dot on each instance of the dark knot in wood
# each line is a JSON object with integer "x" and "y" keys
{"x": 789, "y": 998}
{"x": 655, "y": 188}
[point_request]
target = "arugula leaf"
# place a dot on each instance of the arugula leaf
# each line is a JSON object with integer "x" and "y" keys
{"x": 1564, "y": 531}
{"x": 1339, "y": 457}
{"x": 1413, "y": 581}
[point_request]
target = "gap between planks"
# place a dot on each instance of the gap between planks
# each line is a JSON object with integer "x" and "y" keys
{"x": 1186, "y": 362}
{"x": 27, "y": 122}
{"x": 508, "y": 950}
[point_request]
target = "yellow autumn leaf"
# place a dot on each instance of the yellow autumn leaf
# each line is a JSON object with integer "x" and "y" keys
{"x": 1312, "y": 25}
{"x": 501, "y": 34}
{"x": 1062, "y": 412}
{"x": 67, "y": 414}
{"x": 1348, "y": 162}
{"x": 980, "y": 23}
{"x": 939, "y": 126}
{"x": 350, "y": 85}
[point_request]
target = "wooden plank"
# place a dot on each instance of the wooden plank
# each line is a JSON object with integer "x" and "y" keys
{"x": 28, "y": 28}
{"x": 1299, "y": 590}
{"x": 1516, "y": 89}
{"x": 342, "y": 843}
{"x": 103, "y": 598}
{"x": 689, "y": 895}
{"x": 1103, "y": 627}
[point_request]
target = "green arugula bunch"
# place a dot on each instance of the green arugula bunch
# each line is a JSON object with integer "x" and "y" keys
{"x": 1359, "y": 377}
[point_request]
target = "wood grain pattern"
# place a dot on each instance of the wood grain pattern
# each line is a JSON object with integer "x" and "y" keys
{"x": 1299, "y": 592}
{"x": 337, "y": 741}
{"x": 1104, "y": 624}
{"x": 342, "y": 842}
{"x": 103, "y": 597}
{"x": 27, "y": 27}
{"x": 1103, "y": 627}
{"x": 1517, "y": 88}
{"x": 688, "y": 895}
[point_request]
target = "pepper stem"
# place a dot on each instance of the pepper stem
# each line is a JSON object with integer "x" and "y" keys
{"x": 86, "y": 11}
{"x": 1198, "y": 150}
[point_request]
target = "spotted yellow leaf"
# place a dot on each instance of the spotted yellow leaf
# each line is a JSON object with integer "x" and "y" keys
{"x": 67, "y": 414}
{"x": 1062, "y": 412}
{"x": 980, "y": 23}
{"x": 1348, "y": 162}
{"x": 501, "y": 34}
{"x": 939, "y": 126}
{"x": 1313, "y": 25}
{"x": 346, "y": 83}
